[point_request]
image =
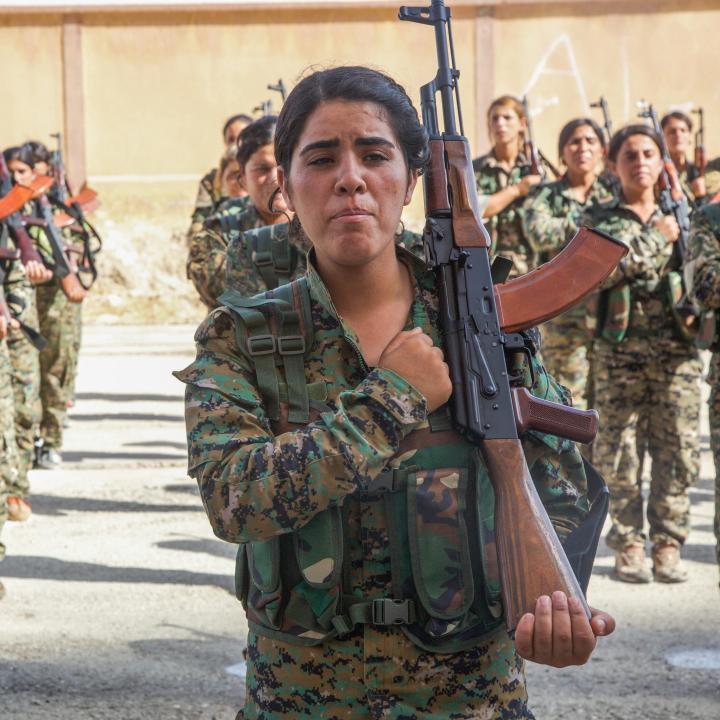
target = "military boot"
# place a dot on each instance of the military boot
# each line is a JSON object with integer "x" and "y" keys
{"x": 667, "y": 566}
{"x": 630, "y": 564}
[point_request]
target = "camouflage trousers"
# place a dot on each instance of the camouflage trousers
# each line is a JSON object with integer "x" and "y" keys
{"x": 60, "y": 324}
{"x": 714, "y": 408}
{"x": 659, "y": 384}
{"x": 8, "y": 447}
{"x": 565, "y": 354}
{"x": 26, "y": 388}
{"x": 378, "y": 674}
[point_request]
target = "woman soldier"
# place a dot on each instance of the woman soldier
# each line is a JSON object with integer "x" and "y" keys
{"x": 551, "y": 217}
{"x": 677, "y": 128}
{"x": 504, "y": 178}
{"x": 704, "y": 263}
{"x": 211, "y": 190}
{"x": 58, "y": 321}
{"x": 365, "y": 523}
{"x": 643, "y": 371}
{"x": 258, "y": 175}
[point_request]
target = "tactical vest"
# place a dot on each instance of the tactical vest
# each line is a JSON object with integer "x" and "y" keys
{"x": 274, "y": 258}
{"x": 438, "y": 502}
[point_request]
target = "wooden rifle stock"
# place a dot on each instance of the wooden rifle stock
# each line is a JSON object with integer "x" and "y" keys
{"x": 13, "y": 201}
{"x": 531, "y": 560}
{"x": 557, "y": 285}
{"x": 87, "y": 199}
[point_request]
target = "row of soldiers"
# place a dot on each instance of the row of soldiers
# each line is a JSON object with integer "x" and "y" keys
{"x": 627, "y": 352}
{"x": 47, "y": 250}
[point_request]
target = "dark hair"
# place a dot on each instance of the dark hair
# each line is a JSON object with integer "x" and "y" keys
{"x": 23, "y": 153}
{"x": 256, "y": 135}
{"x": 628, "y": 131}
{"x": 40, "y": 151}
{"x": 677, "y": 115}
{"x": 235, "y": 118}
{"x": 570, "y": 127}
{"x": 352, "y": 83}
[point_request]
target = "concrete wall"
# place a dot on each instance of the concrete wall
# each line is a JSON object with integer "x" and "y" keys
{"x": 156, "y": 84}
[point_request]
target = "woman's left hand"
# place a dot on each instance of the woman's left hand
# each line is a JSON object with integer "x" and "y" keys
{"x": 559, "y": 634}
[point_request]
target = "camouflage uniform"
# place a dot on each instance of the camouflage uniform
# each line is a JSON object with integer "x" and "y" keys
{"x": 59, "y": 323}
{"x": 25, "y": 374}
{"x": 552, "y": 215}
{"x": 712, "y": 178}
{"x": 704, "y": 266}
{"x": 206, "y": 257}
{"x": 14, "y": 286}
{"x": 649, "y": 374}
{"x": 266, "y": 485}
{"x": 505, "y": 228}
{"x": 263, "y": 258}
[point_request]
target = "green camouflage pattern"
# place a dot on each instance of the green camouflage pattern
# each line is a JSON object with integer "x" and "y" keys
{"x": 243, "y": 271}
{"x": 208, "y": 248}
{"x": 647, "y": 391}
{"x": 506, "y": 228}
{"x": 703, "y": 264}
{"x": 243, "y": 274}
{"x": 23, "y": 374}
{"x": 552, "y": 216}
{"x": 208, "y": 199}
{"x": 8, "y": 447}
{"x": 378, "y": 674}
{"x": 712, "y": 178}
{"x": 277, "y": 490}
{"x": 59, "y": 321}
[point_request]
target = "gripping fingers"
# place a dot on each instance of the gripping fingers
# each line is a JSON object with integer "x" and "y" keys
{"x": 562, "y": 649}
{"x": 543, "y": 636}
{"x": 582, "y": 634}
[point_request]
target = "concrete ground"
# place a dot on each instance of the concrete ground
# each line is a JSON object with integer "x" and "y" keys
{"x": 119, "y": 599}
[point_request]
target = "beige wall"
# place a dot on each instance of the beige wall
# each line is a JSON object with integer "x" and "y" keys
{"x": 158, "y": 85}
{"x": 30, "y": 58}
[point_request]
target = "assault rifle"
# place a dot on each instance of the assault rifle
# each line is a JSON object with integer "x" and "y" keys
{"x": 73, "y": 215}
{"x": 531, "y": 150}
{"x": 480, "y": 323}
{"x": 673, "y": 201}
{"x": 280, "y": 88}
{"x": 607, "y": 123}
{"x": 14, "y": 197}
{"x": 700, "y": 159}
{"x": 265, "y": 108}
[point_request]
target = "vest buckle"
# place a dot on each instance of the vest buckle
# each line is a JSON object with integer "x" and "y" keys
{"x": 389, "y": 611}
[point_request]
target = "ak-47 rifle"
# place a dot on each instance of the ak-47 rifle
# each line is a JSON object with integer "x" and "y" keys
{"x": 673, "y": 201}
{"x": 73, "y": 207}
{"x": 700, "y": 159}
{"x": 479, "y": 324}
{"x": 607, "y": 123}
{"x": 531, "y": 150}
{"x": 16, "y": 196}
{"x": 279, "y": 87}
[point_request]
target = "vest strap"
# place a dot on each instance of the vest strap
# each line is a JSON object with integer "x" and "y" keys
{"x": 389, "y": 481}
{"x": 381, "y": 611}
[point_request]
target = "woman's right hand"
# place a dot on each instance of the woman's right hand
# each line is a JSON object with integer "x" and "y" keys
{"x": 668, "y": 226}
{"x": 37, "y": 273}
{"x": 412, "y": 355}
{"x": 527, "y": 183}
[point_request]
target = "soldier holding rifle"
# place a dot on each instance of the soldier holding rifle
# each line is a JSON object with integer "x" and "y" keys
{"x": 320, "y": 436}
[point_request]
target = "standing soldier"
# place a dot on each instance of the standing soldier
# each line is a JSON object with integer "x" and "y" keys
{"x": 552, "y": 216}
{"x": 504, "y": 177}
{"x": 677, "y": 128}
{"x": 704, "y": 263}
{"x": 206, "y": 264}
{"x": 367, "y": 594}
{"x": 212, "y": 191}
{"x": 644, "y": 370}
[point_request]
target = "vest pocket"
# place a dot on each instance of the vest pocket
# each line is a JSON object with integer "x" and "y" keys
{"x": 318, "y": 549}
{"x": 439, "y": 549}
{"x": 264, "y": 599}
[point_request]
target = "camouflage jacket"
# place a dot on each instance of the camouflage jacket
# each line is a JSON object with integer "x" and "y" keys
{"x": 712, "y": 178}
{"x": 281, "y": 250}
{"x": 643, "y": 270}
{"x": 17, "y": 289}
{"x": 505, "y": 228}
{"x": 552, "y": 213}
{"x": 261, "y": 481}
{"x": 703, "y": 260}
{"x": 207, "y": 253}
